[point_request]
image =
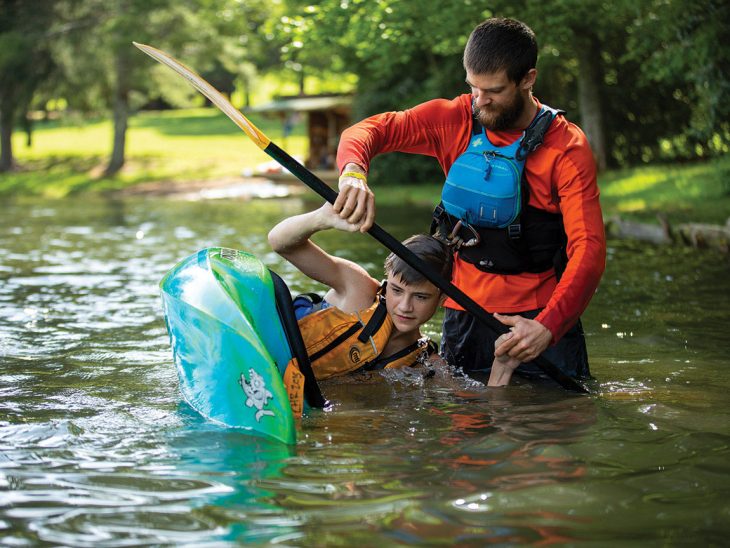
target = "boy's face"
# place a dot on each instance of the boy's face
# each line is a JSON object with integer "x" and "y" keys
{"x": 410, "y": 305}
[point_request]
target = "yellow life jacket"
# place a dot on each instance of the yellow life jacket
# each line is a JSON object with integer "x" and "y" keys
{"x": 405, "y": 357}
{"x": 340, "y": 342}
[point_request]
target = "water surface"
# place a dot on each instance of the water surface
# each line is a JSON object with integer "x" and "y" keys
{"x": 96, "y": 448}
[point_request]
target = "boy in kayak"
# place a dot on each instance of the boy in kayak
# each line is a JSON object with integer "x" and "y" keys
{"x": 363, "y": 324}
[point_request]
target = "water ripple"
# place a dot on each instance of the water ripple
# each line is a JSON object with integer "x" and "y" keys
{"x": 96, "y": 448}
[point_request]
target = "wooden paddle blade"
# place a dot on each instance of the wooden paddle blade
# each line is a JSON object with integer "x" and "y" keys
{"x": 215, "y": 96}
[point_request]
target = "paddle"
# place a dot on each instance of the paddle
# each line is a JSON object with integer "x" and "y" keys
{"x": 321, "y": 188}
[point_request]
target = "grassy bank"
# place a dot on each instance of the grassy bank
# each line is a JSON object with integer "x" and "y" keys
{"x": 202, "y": 144}
{"x": 682, "y": 192}
{"x": 183, "y": 145}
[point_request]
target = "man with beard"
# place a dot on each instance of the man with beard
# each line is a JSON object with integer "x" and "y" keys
{"x": 555, "y": 248}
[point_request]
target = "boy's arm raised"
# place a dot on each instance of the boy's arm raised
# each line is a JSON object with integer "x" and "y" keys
{"x": 352, "y": 288}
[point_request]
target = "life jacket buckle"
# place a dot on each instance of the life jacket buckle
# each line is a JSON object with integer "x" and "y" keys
{"x": 458, "y": 242}
{"x": 514, "y": 231}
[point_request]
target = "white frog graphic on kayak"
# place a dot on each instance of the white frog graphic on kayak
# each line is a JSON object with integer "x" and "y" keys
{"x": 258, "y": 395}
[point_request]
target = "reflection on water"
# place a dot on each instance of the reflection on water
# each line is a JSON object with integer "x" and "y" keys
{"x": 96, "y": 448}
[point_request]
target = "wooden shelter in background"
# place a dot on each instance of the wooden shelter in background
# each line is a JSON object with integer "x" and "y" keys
{"x": 326, "y": 117}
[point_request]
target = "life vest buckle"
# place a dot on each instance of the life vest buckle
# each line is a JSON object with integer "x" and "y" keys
{"x": 514, "y": 231}
{"x": 458, "y": 242}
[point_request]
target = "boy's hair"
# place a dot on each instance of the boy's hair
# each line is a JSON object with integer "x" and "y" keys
{"x": 501, "y": 44}
{"x": 431, "y": 251}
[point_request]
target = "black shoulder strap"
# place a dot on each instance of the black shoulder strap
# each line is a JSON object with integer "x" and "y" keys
{"x": 429, "y": 347}
{"x": 476, "y": 127}
{"x": 533, "y": 138}
{"x": 535, "y": 132}
{"x": 294, "y": 337}
{"x": 375, "y": 323}
{"x": 380, "y": 363}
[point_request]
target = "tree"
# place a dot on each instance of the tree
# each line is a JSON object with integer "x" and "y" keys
{"x": 575, "y": 33}
{"x": 680, "y": 46}
{"x": 406, "y": 52}
{"x": 124, "y": 21}
{"x": 647, "y": 74}
{"x": 103, "y": 71}
{"x": 645, "y": 80}
{"x": 25, "y": 63}
{"x": 402, "y": 52}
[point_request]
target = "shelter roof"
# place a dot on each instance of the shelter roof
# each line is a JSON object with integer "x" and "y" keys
{"x": 305, "y": 103}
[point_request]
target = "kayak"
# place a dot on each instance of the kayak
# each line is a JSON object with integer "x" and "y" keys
{"x": 231, "y": 338}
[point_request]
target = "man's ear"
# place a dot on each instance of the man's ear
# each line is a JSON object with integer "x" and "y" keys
{"x": 529, "y": 79}
{"x": 442, "y": 299}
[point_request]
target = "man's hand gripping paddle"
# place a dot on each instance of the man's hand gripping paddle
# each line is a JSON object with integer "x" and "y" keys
{"x": 321, "y": 188}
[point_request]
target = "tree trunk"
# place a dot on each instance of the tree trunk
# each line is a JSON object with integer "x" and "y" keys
{"x": 121, "y": 114}
{"x": 28, "y": 128}
{"x": 246, "y": 92}
{"x": 7, "y": 161}
{"x": 589, "y": 97}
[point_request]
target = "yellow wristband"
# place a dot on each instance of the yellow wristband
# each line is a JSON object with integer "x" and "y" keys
{"x": 356, "y": 175}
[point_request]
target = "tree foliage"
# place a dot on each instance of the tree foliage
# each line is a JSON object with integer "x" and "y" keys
{"x": 680, "y": 47}
{"x": 645, "y": 80}
{"x": 403, "y": 52}
{"x": 88, "y": 43}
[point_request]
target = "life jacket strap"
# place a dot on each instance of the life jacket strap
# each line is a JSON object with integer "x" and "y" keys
{"x": 284, "y": 307}
{"x": 428, "y": 347}
{"x": 354, "y": 328}
{"x": 375, "y": 323}
{"x": 382, "y": 363}
{"x": 535, "y": 132}
{"x": 366, "y": 331}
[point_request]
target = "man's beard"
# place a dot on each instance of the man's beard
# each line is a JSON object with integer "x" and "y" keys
{"x": 502, "y": 119}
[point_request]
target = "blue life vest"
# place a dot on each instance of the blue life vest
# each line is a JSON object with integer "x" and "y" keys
{"x": 484, "y": 185}
{"x": 484, "y": 213}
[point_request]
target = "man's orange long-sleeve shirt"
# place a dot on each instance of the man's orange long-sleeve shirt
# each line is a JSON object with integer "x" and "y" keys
{"x": 561, "y": 176}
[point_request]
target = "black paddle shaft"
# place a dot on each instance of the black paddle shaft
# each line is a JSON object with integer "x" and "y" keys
{"x": 410, "y": 258}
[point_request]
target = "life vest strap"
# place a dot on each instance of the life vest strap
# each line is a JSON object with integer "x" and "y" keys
{"x": 382, "y": 363}
{"x": 426, "y": 345}
{"x": 337, "y": 341}
{"x": 535, "y": 132}
{"x": 296, "y": 344}
{"x": 375, "y": 323}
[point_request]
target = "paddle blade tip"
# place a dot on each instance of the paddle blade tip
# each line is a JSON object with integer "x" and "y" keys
{"x": 149, "y": 50}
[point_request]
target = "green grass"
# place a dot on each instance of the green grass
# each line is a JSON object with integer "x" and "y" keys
{"x": 182, "y": 145}
{"x": 697, "y": 192}
{"x": 202, "y": 144}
